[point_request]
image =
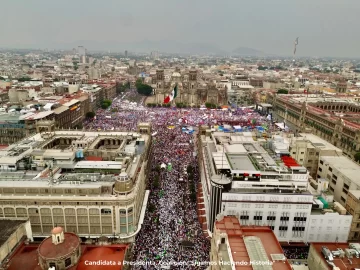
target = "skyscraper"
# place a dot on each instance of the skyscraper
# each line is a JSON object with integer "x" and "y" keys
{"x": 126, "y": 54}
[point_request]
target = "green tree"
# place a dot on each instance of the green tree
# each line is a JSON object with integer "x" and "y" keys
{"x": 143, "y": 89}
{"x": 262, "y": 68}
{"x": 120, "y": 87}
{"x": 106, "y": 103}
{"x": 357, "y": 157}
{"x": 283, "y": 91}
{"x": 24, "y": 79}
{"x": 90, "y": 115}
{"x": 2, "y": 78}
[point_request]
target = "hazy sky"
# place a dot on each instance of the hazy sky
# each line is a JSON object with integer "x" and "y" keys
{"x": 324, "y": 27}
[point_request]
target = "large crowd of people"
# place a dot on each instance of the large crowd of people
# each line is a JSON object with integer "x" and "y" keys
{"x": 171, "y": 218}
{"x": 124, "y": 115}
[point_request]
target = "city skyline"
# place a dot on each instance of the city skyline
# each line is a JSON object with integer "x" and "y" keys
{"x": 324, "y": 28}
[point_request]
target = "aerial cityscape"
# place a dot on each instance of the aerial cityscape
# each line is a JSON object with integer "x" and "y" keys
{"x": 138, "y": 140}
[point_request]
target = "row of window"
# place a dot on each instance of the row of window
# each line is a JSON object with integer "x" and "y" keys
{"x": 246, "y": 217}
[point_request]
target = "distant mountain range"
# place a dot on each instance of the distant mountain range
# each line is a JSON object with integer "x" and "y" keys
{"x": 164, "y": 46}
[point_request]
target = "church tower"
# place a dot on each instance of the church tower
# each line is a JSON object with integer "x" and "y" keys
{"x": 160, "y": 84}
{"x": 193, "y": 76}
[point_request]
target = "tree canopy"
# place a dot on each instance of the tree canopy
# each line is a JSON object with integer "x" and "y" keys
{"x": 106, "y": 103}
{"x": 357, "y": 157}
{"x": 122, "y": 87}
{"x": 210, "y": 105}
{"x": 90, "y": 115}
{"x": 24, "y": 79}
{"x": 143, "y": 89}
{"x": 283, "y": 91}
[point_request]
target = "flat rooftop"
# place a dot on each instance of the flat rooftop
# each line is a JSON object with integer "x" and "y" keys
{"x": 9, "y": 117}
{"x": 237, "y": 236}
{"x": 7, "y": 228}
{"x": 318, "y": 142}
{"x": 240, "y": 162}
{"x": 345, "y": 166}
{"x": 342, "y": 263}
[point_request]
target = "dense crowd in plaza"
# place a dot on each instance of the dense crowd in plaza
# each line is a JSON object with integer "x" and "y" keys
{"x": 171, "y": 216}
{"x": 124, "y": 115}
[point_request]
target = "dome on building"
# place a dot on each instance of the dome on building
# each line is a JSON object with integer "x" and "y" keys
{"x": 123, "y": 176}
{"x": 61, "y": 250}
{"x": 123, "y": 183}
{"x": 57, "y": 230}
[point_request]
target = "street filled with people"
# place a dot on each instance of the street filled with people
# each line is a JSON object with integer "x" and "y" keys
{"x": 171, "y": 232}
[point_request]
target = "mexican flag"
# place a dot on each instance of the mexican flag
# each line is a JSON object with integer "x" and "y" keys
{"x": 172, "y": 95}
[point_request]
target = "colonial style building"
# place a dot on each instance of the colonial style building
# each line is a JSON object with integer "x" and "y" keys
{"x": 332, "y": 119}
{"x": 191, "y": 90}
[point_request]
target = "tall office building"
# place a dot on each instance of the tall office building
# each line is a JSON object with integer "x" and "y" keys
{"x": 126, "y": 54}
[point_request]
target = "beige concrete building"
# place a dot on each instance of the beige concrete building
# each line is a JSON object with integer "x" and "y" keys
{"x": 353, "y": 206}
{"x": 307, "y": 149}
{"x": 334, "y": 119}
{"x": 342, "y": 174}
{"x": 13, "y": 231}
{"x": 89, "y": 183}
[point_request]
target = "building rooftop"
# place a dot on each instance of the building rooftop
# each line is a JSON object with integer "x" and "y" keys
{"x": 345, "y": 166}
{"x": 355, "y": 193}
{"x": 341, "y": 263}
{"x": 242, "y": 240}
{"x": 7, "y": 228}
{"x": 26, "y": 257}
{"x": 48, "y": 250}
{"x": 9, "y": 117}
{"x": 318, "y": 142}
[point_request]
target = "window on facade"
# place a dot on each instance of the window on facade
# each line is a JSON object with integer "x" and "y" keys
{"x": 122, "y": 212}
{"x": 283, "y": 228}
{"x": 244, "y": 217}
{"x": 106, "y": 211}
{"x": 330, "y": 169}
{"x": 331, "y": 189}
{"x": 302, "y": 153}
{"x": 321, "y": 162}
{"x": 271, "y": 218}
{"x": 346, "y": 186}
{"x": 284, "y": 218}
{"x": 320, "y": 170}
{"x": 299, "y": 218}
{"x": 130, "y": 210}
{"x": 342, "y": 199}
{"x": 258, "y": 217}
